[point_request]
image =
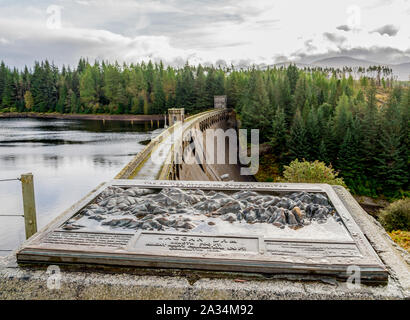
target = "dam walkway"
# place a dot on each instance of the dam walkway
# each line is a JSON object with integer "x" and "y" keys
{"x": 157, "y": 161}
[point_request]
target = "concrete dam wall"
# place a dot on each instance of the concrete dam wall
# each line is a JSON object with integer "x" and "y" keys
{"x": 180, "y": 152}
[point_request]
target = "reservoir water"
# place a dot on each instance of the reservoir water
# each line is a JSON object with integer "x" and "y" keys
{"x": 68, "y": 158}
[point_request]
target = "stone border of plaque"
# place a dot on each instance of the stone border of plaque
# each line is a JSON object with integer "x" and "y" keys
{"x": 217, "y": 252}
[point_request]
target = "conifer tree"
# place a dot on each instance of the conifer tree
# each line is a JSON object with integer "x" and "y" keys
{"x": 114, "y": 88}
{"x": 405, "y": 124}
{"x": 370, "y": 132}
{"x": 298, "y": 143}
{"x": 3, "y": 79}
{"x": 214, "y": 85}
{"x": 342, "y": 117}
{"x": 234, "y": 90}
{"x": 185, "y": 90}
{"x": 391, "y": 164}
{"x": 149, "y": 79}
{"x": 313, "y": 134}
{"x": 88, "y": 88}
{"x": 9, "y": 92}
{"x": 292, "y": 74}
{"x": 201, "y": 101}
{"x": 158, "y": 104}
{"x": 256, "y": 110}
{"x": 322, "y": 154}
{"x": 348, "y": 160}
{"x": 279, "y": 135}
{"x": 284, "y": 98}
{"x": 300, "y": 95}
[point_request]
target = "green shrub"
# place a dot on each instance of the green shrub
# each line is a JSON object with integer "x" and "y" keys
{"x": 311, "y": 172}
{"x": 396, "y": 216}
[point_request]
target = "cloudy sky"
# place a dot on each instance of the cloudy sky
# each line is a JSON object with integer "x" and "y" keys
{"x": 203, "y": 31}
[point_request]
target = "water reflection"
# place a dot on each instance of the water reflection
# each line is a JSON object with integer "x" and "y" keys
{"x": 68, "y": 159}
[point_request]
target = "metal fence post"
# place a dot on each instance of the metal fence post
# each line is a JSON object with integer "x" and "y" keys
{"x": 29, "y": 204}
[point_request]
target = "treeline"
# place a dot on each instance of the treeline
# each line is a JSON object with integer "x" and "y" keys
{"x": 341, "y": 122}
{"x": 306, "y": 114}
{"x": 144, "y": 88}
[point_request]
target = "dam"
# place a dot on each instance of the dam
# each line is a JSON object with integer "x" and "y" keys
{"x": 157, "y": 160}
{"x": 169, "y": 228}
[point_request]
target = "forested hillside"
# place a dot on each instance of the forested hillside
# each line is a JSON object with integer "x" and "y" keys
{"x": 108, "y": 88}
{"x": 360, "y": 127}
{"x": 342, "y": 122}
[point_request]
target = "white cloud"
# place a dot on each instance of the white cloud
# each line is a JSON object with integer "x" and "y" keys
{"x": 4, "y": 41}
{"x": 203, "y": 31}
{"x": 388, "y": 29}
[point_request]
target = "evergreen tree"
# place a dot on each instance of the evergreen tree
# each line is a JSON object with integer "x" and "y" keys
{"x": 341, "y": 119}
{"x": 201, "y": 101}
{"x": 313, "y": 134}
{"x": 298, "y": 143}
{"x": 348, "y": 160}
{"x": 284, "y": 98}
{"x": 370, "y": 134}
{"x": 234, "y": 90}
{"x": 62, "y": 98}
{"x": 292, "y": 73}
{"x": 149, "y": 79}
{"x": 322, "y": 154}
{"x": 391, "y": 163}
{"x": 88, "y": 88}
{"x": 405, "y": 124}
{"x": 279, "y": 135}
{"x": 256, "y": 110}
{"x": 114, "y": 89}
{"x": 158, "y": 105}
{"x": 9, "y": 92}
{"x": 185, "y": 90}
{"x": 300, "y": 96}
{"x": 3, "y": 79}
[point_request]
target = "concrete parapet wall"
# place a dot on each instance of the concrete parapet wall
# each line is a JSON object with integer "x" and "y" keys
{"x": 132, "y": 167}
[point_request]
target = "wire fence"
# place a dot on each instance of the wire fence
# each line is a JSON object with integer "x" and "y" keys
{"x": 10, "y": 215}
{"x": 5, "y": 180}
{"x": 24, "y": 190}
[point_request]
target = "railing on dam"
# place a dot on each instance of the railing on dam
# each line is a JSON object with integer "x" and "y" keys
{"x": 203, "y": 118}
{"x": 169, "y": 170}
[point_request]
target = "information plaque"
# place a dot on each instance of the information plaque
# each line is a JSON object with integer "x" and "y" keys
{"x": 281, "y": 229}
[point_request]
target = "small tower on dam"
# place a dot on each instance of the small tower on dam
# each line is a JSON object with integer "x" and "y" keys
{"x": 175, "y": 115}
{"x": 220, "y": 102}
